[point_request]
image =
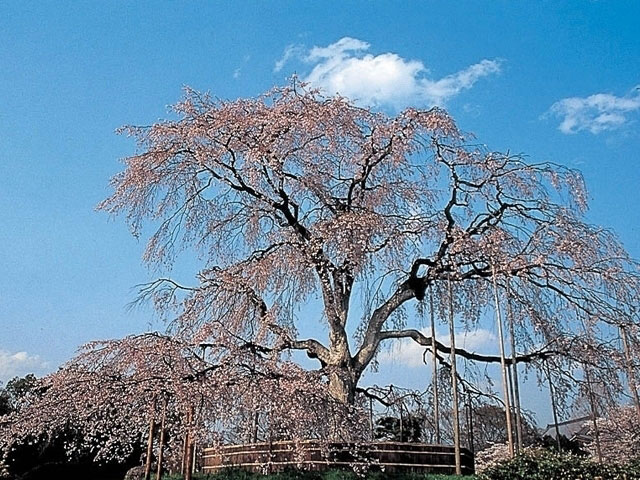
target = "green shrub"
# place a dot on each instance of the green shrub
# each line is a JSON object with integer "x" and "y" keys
{"x": 540, "y": 464}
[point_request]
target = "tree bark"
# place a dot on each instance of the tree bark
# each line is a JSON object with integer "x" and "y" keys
{"x": 342, "y": 384}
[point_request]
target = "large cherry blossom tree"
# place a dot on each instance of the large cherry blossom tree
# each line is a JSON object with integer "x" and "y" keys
{"x": 291, "y": 197}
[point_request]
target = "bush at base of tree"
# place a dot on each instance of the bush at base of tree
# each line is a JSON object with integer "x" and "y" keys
{"x": 541, "y": 464}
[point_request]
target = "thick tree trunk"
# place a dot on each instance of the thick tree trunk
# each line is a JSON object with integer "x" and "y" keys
{"x": 343, "y": 376}
{"x": 342, "y": 384}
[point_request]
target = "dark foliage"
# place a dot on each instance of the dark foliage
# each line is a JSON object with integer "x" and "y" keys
{"x": 409, "y": 429}
{"x": 47, "y": 457}
{"x": 542, "y": 464}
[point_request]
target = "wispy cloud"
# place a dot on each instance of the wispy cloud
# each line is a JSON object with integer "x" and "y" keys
{"x": 408, "y": 353}
{"x": 19, "y": 364}
{"x": 596, "y": 113}
{"x": 238, "y": 71}
{"x": 291, "y": 51}
{"x": 387, "y": 79}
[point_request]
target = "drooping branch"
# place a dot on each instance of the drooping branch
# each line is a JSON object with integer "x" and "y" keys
{"x": 425, "y": 341}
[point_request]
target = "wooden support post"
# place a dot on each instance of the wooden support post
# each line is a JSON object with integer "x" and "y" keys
{"x": 434, "y": 370}
{"x": 401, "y": 422}
{"x": 630, "y": 373}
{"x": 553, "y": 407}
{"x": 471, "y": 433}
{"x": 454, "y": 383}
{"x": 503, "y": 364}
{"x": 514, "y": 370}
{"x": 194, "y": 450}
{"x": 511, "y": 394}
{"x": 256, "y": 421}
{"x": 371, "y": 426}
{"x": 594, "y": 413}
{"x": 188, "y": 447}
{"x": 161, "y": 444}
{"x": 149, "y": 459}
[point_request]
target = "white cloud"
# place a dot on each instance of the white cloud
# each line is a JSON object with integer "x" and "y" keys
{"x": 238, "y": 71}
{"x": 382, "y": 80}
{"x": 19, "y": 364}
{"x": 290, "y": 52}
{"x": 595, "y": 113}
{"x": 409, "y": 353}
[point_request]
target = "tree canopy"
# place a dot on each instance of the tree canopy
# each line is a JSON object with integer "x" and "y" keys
{"x": 291, "y": 195}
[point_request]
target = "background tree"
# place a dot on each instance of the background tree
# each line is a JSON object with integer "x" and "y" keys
{"x": 489, "y": 427}
{"x": 16, "y": 392}
{"x": 408, "y": 429}
{"x": 5, "y": 402}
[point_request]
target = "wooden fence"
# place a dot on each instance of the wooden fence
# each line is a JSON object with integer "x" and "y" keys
{"x": 311, "y": 455}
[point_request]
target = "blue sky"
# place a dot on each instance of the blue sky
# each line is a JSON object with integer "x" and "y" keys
{"x": 557, "y": 81}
